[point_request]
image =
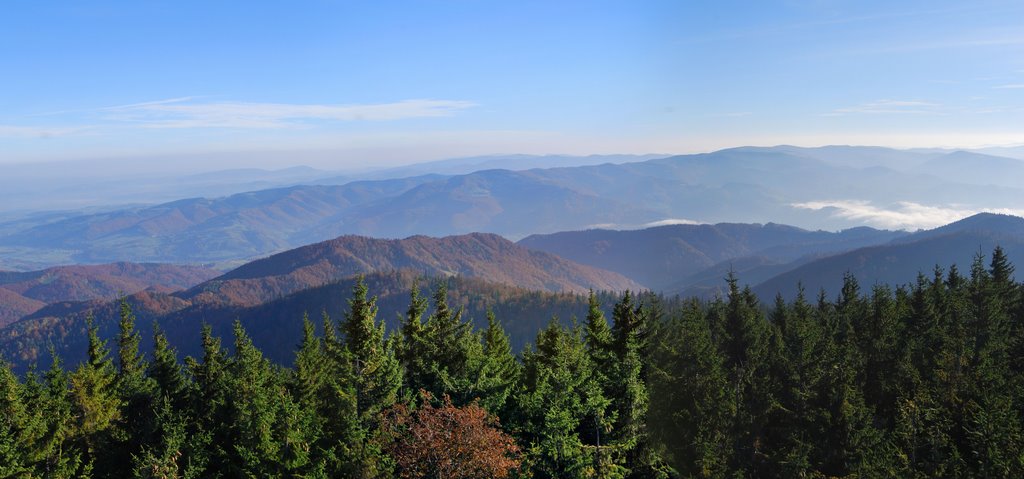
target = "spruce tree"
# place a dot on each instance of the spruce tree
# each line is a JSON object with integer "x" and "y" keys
{"x": 993, "y": 427}
{"x": 54, "y": 451}
{"x": 252, "y": 409}
{"x": 370, "y": 381}
{"x": 500, "y": 370}
{"x": 455, "y": 348}
{"x": 135, "y": 391}
{"x": 598, "y": 337}
{"x": 209, "y": 404}
{"x": 559, "y": 393}
{"x": 14, "y": 420}
{"x": 309, "y": 375}
{"x": 691, "y": 404}
{"x": 745, "y": 348}
{"x": 412, "y": 349}
{"x": 166, "y": 372}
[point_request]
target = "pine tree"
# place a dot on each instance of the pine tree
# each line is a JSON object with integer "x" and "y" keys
{"x": 802, "y": 343}
{"x": 413, "y": 350}
{"x": 171, "y": 452}
{"x": 96, "y": 403}
{"x": 627, "y": 388}
{"x": 370, "y": 361}
{"x": 850, "y": 444}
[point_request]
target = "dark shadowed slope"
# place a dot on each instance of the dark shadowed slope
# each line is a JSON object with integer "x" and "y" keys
{"x": 276, "y": 325}
{"x": 662, "y": 258}
{"x": 900, "y": 261}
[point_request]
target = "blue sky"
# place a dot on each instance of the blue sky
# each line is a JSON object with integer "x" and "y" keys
{"x": 339, "y": 84}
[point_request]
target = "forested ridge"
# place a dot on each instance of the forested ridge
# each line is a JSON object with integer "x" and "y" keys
{"x": 921, "y": 380}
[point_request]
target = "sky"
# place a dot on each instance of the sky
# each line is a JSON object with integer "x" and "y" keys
{"x": 358, "y": 83}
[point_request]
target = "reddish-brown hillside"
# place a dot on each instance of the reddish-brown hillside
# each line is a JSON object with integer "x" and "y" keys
{"x": 14, "y": 306}
{"x": 24, "y": 293}
{"x": 105, "y": 281}
{"x": 478, "y": 255}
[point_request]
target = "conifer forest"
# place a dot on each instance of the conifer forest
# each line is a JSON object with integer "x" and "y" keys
{"x": 917, "y": 380}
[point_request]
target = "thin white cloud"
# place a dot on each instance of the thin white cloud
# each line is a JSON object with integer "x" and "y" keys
{"x": 669, "y": 221}
{"x": 16, "y": 131}
{"x": 1012, "y": 86}
{"x": 889, "y": 107}
{"x": 186, "y": 113}
{"x": 652, "y": 224}
{"x": 903, "y": 214}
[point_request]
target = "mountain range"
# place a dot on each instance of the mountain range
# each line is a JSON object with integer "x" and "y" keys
{"x": 24, "y": 293}
{"x": 266, "y": 256}
{"x": 693, "y": 260}
{"x": 814, "y": 188}
{"x": 664, "y": 258}
{"x": 489, "y": 272}
{"x": 480, "y": 262}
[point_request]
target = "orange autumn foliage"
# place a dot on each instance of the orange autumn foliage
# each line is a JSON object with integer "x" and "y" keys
{"x": 448, "y": 442}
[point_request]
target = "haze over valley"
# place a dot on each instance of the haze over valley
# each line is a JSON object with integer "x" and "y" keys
{"x": 512, "y": 240}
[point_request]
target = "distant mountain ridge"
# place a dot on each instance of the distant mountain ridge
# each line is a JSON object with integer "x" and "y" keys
{"x": 270, "y": 293}
{"x": 663, "y": 257}
{"x": 693, "y": 260}
{"x": 738, "y": 185}
{"x": 23, "y": 293}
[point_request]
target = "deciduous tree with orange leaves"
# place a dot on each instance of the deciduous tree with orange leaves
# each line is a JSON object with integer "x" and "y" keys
{"x": 448, "y": 442}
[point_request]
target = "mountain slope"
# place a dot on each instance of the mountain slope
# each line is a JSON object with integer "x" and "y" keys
{"x": 662, "y": 257}
{"x": 976, "y": 168}
{"x": 485, "y": 256}
{"x": 205, "y": 230}
{"x": 276, "y": 325}
{"x": 900, "y": 261}
{"x": 511, "y": 203}
{"x": 482, "y": 256}
{"x": 14, "y": 306}
{"x": 790, "y": 185}
{"x": 24, "y": 293}
{"x": 87, "y": 282}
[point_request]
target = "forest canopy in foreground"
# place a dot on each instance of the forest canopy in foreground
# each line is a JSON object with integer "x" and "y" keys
{"x": 924, "y": 380}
